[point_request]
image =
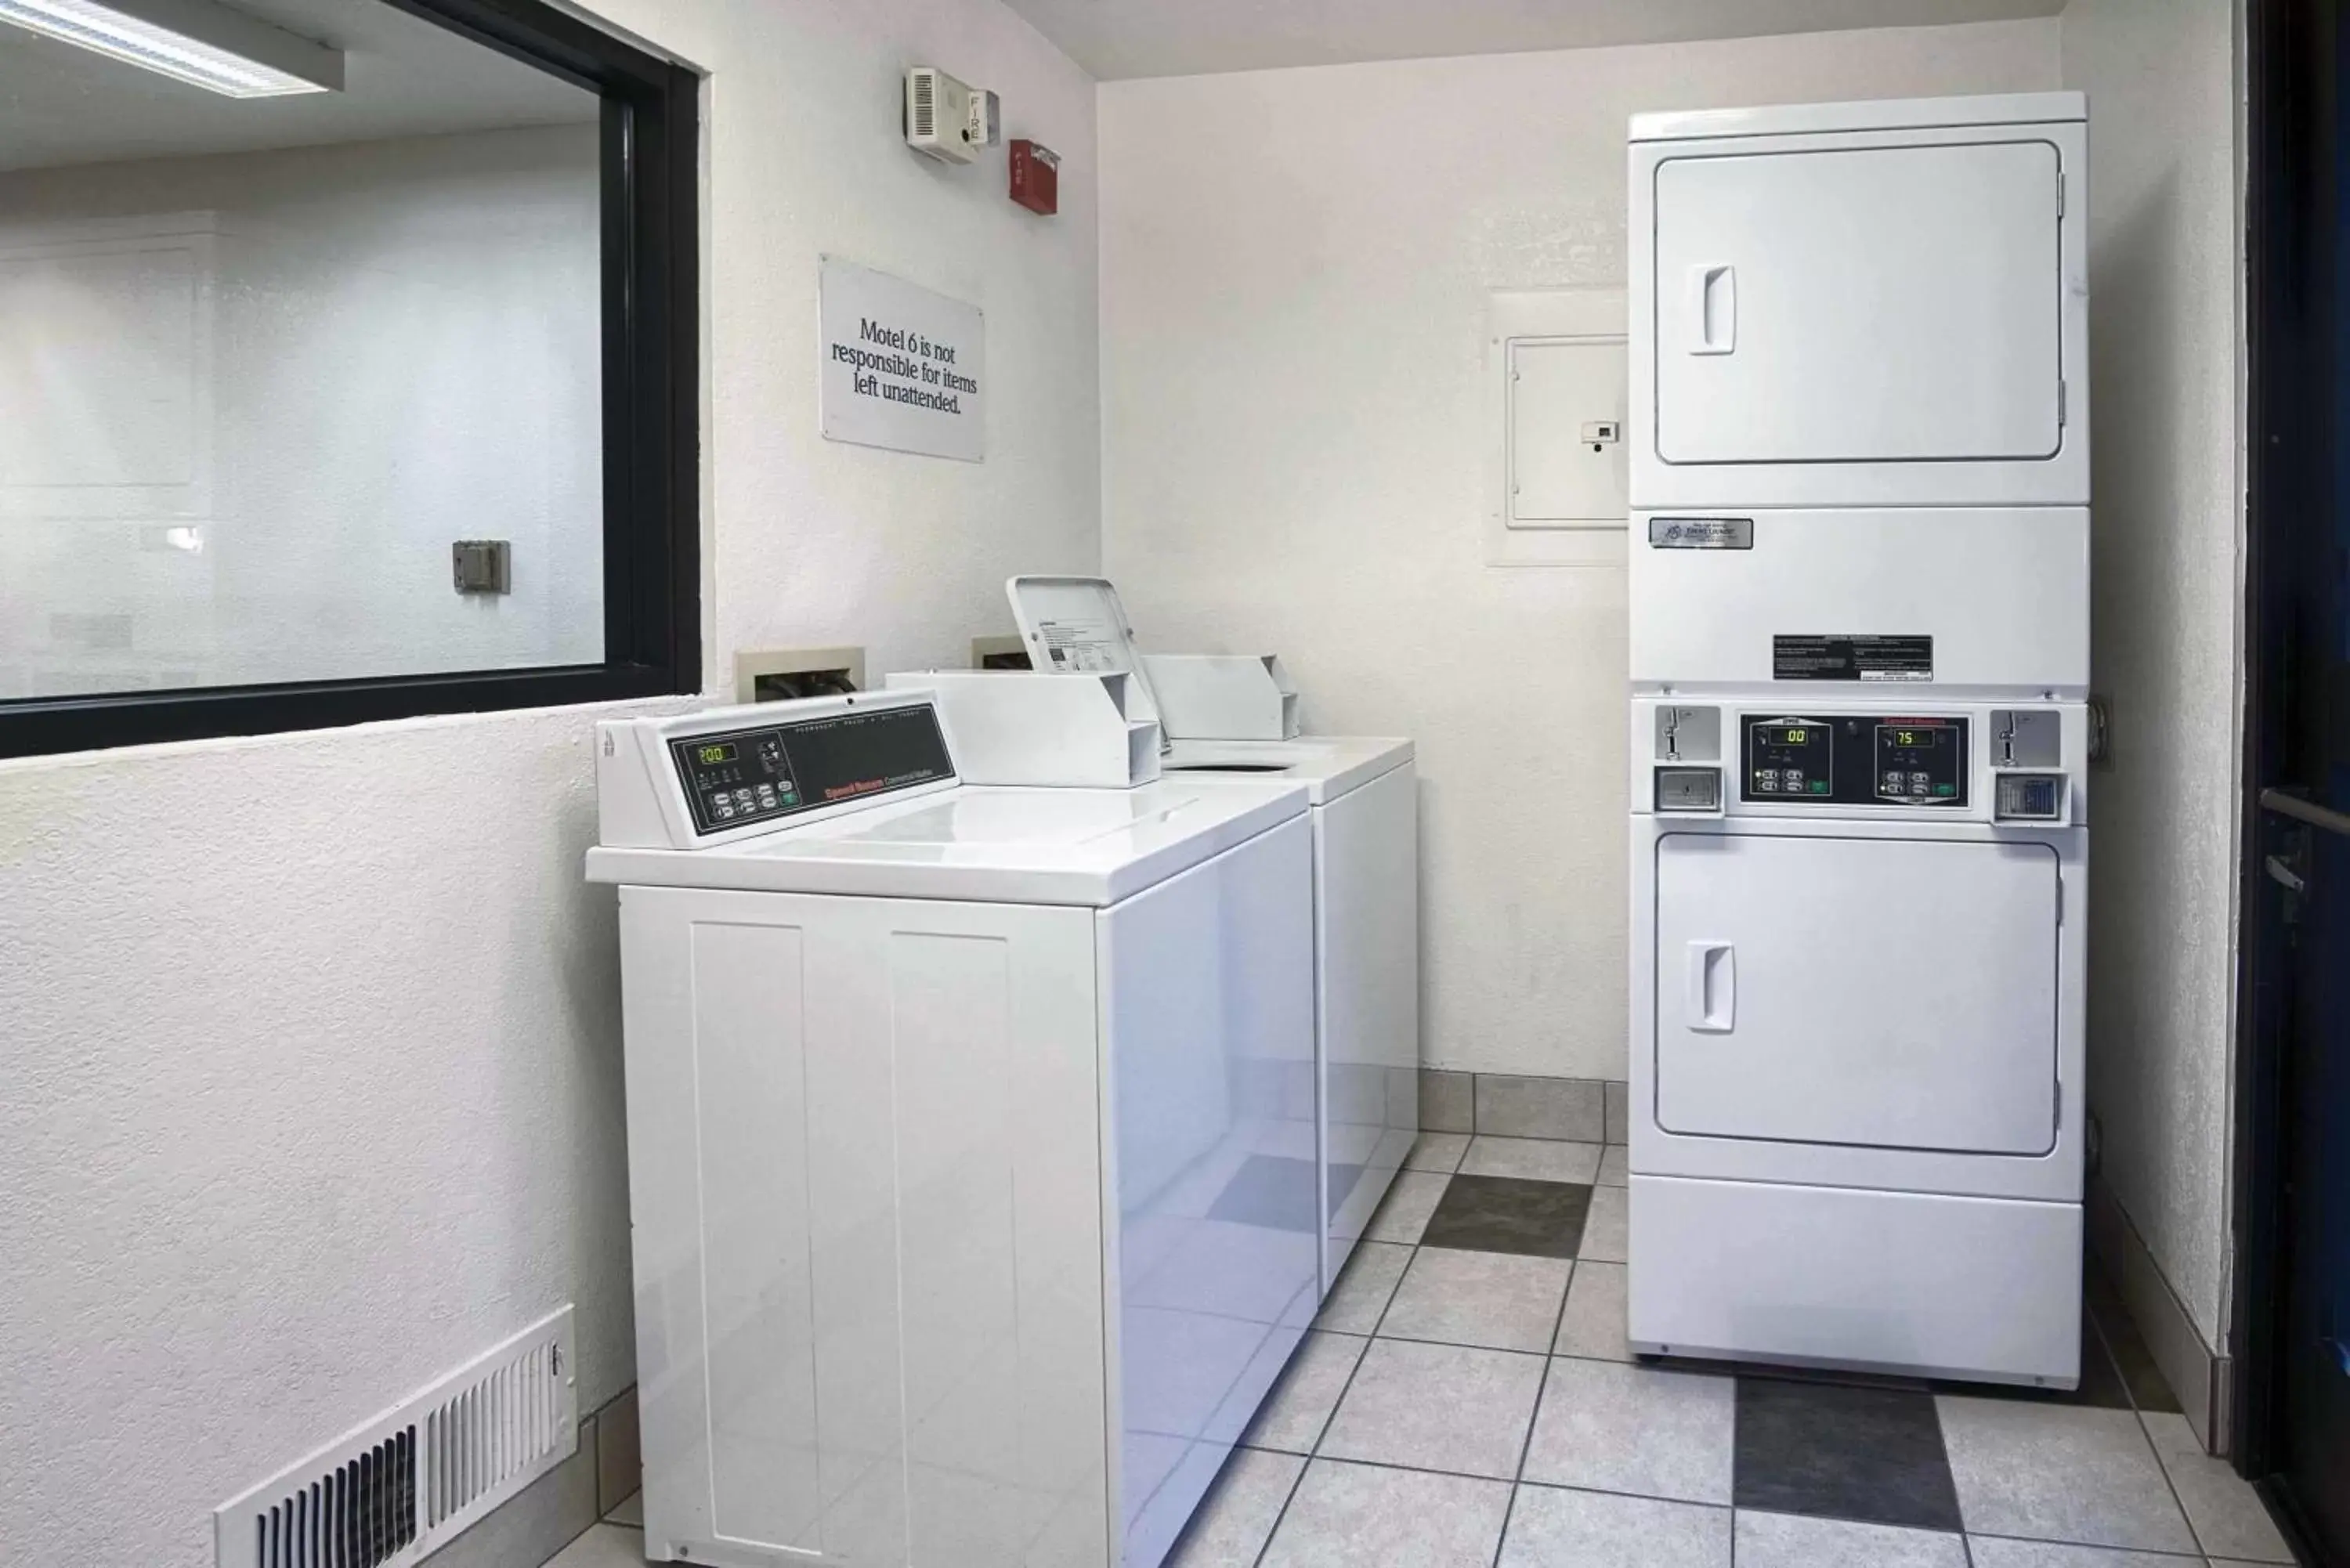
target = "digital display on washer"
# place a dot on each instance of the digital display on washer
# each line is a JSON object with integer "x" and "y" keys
{"x": 781, "y": 770}
{"x": 1854, "y": 759}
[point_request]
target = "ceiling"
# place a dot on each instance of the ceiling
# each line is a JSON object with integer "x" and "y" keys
{"x": 404, "y": 77}
{"x": 1117, "y": 38}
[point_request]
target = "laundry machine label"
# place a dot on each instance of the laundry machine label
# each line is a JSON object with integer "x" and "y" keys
{"x": 1852, "y": 658}
{"x": 1701, "y": 532}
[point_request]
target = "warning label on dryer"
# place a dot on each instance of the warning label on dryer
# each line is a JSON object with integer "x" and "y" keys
{"x": 1852, "y": 658}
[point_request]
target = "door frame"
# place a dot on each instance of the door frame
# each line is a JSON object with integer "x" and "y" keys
{"x": 2292, "y": 192}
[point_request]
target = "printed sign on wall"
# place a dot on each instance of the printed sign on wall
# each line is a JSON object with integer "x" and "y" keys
{"x": 902, "y": 368}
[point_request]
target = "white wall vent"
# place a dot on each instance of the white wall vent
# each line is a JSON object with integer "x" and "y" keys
{"x": 407, "y": 1483}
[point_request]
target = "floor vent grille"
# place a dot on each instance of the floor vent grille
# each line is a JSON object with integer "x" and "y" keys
{"x": 405, "y": 1484}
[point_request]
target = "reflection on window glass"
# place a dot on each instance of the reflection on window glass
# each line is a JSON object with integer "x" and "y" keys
{"x": 264, "y": 361}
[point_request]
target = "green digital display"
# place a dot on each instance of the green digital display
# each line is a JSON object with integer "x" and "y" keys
{"x": 711, "y": 757}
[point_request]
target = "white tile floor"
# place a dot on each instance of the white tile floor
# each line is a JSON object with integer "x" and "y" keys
{"x": 1482, "y": 1408}
{"x": 1625, "y": 1465}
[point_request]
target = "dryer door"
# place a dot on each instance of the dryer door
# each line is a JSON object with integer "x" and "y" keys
{"x": 1858, "y": 305}
{"x": 1893, "y": 993}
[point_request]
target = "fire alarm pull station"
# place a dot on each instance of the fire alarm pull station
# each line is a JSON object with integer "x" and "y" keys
{"x": 1036, "y": 177}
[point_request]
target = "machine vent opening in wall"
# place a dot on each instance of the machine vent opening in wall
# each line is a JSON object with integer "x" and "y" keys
{"x": 404, "y": 1484}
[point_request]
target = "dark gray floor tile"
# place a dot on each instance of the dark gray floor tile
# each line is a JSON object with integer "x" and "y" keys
{"x": 1843, "y": 1451}
{"x": 1510, "y": 1214}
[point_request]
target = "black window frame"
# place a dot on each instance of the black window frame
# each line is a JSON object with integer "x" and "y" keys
{"x": 649, "y": 167}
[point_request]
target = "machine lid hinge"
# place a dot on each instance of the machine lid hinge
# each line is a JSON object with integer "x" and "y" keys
{"x": 2060, "y": 900}
{"x": 2060, "y": 1104}
{"x": 2060, "y": 192}
{"x": 2059, "y": 400}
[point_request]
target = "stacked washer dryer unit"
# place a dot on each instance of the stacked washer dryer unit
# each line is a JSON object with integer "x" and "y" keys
{"x": 1859, "y": 613}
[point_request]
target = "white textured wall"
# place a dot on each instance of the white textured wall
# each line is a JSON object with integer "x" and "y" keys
{"x": 1294, "y": 271}
{"x": 310, "y": 1053}
{"x": 833, "y": 544}
{"x": 2164, "y": 269}
{"x": 309, "y": 1091}
{"x": 404, "y": 349}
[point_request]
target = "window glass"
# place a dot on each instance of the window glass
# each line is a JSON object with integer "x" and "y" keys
{"x": 265, "y": 360}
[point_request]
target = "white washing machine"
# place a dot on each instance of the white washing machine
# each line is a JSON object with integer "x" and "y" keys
{"x": 1365, "y": 811}
{"x": 1365, "y": 818}
{"x": 1859, "y": 587}
{"x": 965, "y": 1227}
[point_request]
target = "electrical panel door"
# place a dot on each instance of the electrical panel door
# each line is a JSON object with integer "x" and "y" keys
{"x": 1886, "y": 993}
{"x": 1858, "y": 305}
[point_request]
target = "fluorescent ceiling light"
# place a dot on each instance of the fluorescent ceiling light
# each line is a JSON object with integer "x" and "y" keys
{"x": 199, "y": 42}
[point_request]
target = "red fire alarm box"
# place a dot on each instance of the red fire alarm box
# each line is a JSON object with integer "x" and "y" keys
{"x": 1036, "y": 177}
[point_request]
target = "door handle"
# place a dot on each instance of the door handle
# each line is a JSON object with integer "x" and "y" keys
{"x": 1712, "y": 997}
{"x": 1713, "y": 308}
{"x": 2300, "y": 810}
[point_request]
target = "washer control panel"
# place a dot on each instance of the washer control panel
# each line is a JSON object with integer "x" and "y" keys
{"x": 755, "y": 774}
{"x": 1903, "y": 759}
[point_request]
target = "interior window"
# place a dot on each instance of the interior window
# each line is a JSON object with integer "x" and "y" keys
{"x": 312, "y": 317}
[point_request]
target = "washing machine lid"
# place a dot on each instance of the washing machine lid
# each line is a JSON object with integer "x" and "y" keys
{"x": 1329, "y": 766}
{"x": 981, "y": 844}
{"x": 1073, "y": 625}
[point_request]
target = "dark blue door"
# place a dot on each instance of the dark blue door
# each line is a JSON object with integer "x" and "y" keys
{"x": 2292, "y": 1305}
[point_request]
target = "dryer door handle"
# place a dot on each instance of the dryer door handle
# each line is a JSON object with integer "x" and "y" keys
{"x": 1713, "y": 996}
{"x": 1713, "y": 308}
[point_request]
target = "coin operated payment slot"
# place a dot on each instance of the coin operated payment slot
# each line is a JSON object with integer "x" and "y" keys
{"x": 1686, "y": 779}
{"x": 1688, "y": 792}
{"x": 2029, "y": 797}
